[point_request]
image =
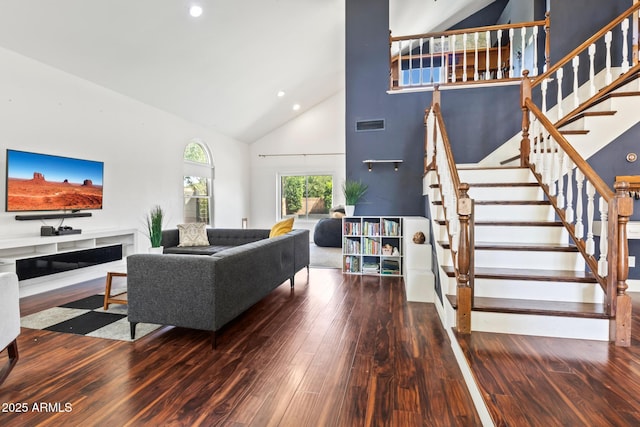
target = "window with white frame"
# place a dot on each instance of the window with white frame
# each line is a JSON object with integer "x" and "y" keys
{"x": 305, "y": 196}
{"x": 197, "y": 181}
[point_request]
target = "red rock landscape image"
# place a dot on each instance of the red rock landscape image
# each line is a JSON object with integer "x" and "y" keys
{"x": 39, "y": 194}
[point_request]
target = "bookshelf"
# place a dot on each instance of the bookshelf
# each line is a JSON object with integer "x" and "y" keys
{"x": 372, "y": 245}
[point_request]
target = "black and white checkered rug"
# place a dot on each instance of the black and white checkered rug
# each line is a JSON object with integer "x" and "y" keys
{"x": 87, "y": 317}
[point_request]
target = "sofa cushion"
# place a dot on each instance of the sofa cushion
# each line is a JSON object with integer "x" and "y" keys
{"x": 193, "y": 234}
{"x": 282, "y": 227}
{"x": 196, "y": 250}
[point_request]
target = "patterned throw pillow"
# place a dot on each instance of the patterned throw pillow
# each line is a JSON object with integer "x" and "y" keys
{"x": 282, "y": 227}
{"x": 193, "y": 234}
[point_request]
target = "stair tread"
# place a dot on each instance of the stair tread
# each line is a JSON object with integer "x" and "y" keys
{"x": 574, "y": 132}
{"x": 504, "y": 184}
{"x": 502, "y": 202}
{"x": 588, "y": 114}
{"x": 513, "y": 223}
{"x": 511, "y": 246}
{"x": 528, "y": 274}
{"x": 539, "y": 307}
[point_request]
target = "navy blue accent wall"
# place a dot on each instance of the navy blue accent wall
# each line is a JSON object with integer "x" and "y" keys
{"x": 611, "y": 162}
{"x": 478, "y": 120}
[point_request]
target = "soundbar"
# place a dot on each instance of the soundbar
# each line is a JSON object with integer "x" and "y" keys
{"x": 52, "y": 216}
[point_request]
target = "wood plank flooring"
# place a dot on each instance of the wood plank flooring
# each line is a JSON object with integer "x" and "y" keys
{"x": 337, "y": 351}
{"x": 538, "y": 381}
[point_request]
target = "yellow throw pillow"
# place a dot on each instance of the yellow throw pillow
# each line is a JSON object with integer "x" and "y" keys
{"x": 282, "y": 227}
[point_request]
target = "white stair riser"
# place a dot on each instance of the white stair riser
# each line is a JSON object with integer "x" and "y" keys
{"x": 514, "y": 213}
{"x": 506, "y": 193}
{"x": 529, "y": 260}
{"x": 538, "y": 290}
{"x": 575, "y": 125}
{"x": 547, "y": 326}
{"x": 484, "y": 233}
{"x": 602, "y": 106}
{"x": 496, "y": 175}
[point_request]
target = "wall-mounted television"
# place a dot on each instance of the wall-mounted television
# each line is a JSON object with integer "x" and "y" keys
{"x": 44, "y": 182}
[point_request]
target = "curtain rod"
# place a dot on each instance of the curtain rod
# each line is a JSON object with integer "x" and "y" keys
{"x": 300, "y": 154}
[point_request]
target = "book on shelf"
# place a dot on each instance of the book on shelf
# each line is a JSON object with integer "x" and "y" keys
{"x": 391, "y": 228}
{"x": 390, "y": 266}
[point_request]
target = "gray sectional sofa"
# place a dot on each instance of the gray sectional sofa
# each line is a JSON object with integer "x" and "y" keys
{"x": 205, "y": 287}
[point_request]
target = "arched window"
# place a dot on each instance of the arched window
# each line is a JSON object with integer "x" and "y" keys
{"x": 198, "y": 185}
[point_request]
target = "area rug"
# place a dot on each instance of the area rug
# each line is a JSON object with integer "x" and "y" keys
{"x": 321, "y": 257}
{"x": 88, "y": 317}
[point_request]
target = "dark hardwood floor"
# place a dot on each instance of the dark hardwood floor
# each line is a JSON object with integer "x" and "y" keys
{"x": 337, "y": 351}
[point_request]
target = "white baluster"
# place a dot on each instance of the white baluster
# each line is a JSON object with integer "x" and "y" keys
{"x": 576, "y": 99}
{"x": 523, "y": 34}
{"x": 421, "y": 64}
{"x": 590, "y": 248}
{"x": 568, "y": 213}
{"x": 499, "y": 72}
{"x": 562, "y": 160}
{"x": 592, "y": 77}
{"x": 553, "y": 170}
{"x": 400, "y": 63}
{"x": 544, "y": 86}
{"x": 544, "y": 164}
{"x": 579, "y": 184}
{"x": 476, "y": 77}
{"x": 432, "y": 45}
{"x": 559, "y": 75}
{"x": 453, "y": 58}
{"x": 431, "y": 144}
{"x": 464, "y": 57}
{"x": 625, "y": 46}
{"x": 540, "y": 142}
{"x": 411, "y": 62}
{"x": 443, "y": 69}
{"x": 487, "y": 73}
{"x": 604, "y": 247}
{"x": 535, "y": 50}
{"x": 607, "y": 42}
{"x": 511, "y": 60}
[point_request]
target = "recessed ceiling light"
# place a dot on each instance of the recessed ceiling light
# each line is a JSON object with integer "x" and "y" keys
{"x": 296, "y": 107}
{"x": 195, "y": 11}
{"x": 281, "y": 93}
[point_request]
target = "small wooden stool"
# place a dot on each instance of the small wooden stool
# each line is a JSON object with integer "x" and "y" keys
{"x": 120, "y": 298}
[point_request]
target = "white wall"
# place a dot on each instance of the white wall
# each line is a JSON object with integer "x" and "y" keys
{"x": 48, "y": 111}
{"x": 317, "y": 131}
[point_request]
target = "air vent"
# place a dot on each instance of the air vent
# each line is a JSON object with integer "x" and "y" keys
{"x": 367, "y": 125}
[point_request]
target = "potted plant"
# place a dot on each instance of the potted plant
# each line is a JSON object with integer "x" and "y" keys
{"x": 154, "y": 228}
{"x": 353, "y": 191}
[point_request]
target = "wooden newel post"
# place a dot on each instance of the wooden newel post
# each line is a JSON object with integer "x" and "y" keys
{"x": 623, "y": 301}
{"x": 464, "y": 297}
{"x": 525, "y": 93}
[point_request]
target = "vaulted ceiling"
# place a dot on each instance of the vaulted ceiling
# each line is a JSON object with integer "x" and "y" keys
{"x": 222, "y": 70}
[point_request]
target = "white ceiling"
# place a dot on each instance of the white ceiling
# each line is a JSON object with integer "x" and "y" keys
{"x": 221, "y": 70}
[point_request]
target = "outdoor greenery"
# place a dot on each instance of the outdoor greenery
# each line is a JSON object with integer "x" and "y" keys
{"x": 154, "y": 226}
{"x": 296, "y": 188}
{"x": 195, "y": 153}
{"x": 353, "y": 191}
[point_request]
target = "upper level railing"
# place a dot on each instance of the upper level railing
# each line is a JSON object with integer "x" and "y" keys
{"x": 608, "y": 56}
{"x": 457, "y": 207}
{"x": 496, "y": 53}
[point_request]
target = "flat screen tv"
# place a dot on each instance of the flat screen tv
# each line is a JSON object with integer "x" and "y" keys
{"x": 43, "y": 182}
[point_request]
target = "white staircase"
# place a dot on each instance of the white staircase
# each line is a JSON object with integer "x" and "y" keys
{"x": 529, "y": 278}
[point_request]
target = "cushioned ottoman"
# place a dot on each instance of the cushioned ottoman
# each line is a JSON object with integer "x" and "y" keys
{"x": 328, "y": 233}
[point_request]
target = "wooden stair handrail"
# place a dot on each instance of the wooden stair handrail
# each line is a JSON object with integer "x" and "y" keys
{"x": 462, "y": 256}
{"x": 585, "y": 45}
{"x": 472, "y": 30}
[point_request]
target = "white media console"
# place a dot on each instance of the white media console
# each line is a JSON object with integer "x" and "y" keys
{"x": 48, "y": 262}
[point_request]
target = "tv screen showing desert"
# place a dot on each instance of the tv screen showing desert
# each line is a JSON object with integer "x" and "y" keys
{"x": 38, "y": 182}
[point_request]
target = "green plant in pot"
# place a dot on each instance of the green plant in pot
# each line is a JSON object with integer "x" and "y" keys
{"x": 353, "y": 191}
{"x": 154, "y": 228}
